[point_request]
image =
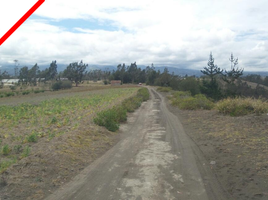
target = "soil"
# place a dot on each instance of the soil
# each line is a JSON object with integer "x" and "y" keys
{"x": 235, "y": 147}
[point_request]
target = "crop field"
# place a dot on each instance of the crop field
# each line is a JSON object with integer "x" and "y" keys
{"x": 25, "y": 125}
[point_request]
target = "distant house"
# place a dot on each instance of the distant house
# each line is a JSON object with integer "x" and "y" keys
{"x": 115, "y": 82}
{"x": 9, "y": 82}
{"x": 62, "y": 79}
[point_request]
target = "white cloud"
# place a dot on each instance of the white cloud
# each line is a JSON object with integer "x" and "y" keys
{"x": 179, "y": 32}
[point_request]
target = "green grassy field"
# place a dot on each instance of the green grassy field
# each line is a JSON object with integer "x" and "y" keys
{"x": 24, "y": 125}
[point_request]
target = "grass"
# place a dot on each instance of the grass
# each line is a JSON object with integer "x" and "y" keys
{"x": 242, "y": 106}
{"x": 185, "y": 101}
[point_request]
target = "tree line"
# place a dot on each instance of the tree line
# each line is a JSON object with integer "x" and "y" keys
{"x": 216, "y": 83}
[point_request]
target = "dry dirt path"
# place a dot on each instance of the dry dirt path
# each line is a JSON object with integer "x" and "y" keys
{"x": 155, "y": 160}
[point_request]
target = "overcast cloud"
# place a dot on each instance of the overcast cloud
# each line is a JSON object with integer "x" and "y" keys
{"x": 178, "y": 32}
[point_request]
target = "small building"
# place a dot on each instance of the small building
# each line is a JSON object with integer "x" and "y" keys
{"x": 115, "y": 82}
{"x": 10, "y": 82}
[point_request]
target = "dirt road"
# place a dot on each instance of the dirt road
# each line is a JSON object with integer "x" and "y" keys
{"x": 155, "y": 160}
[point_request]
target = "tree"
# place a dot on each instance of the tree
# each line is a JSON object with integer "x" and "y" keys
{"x": 132, "y": 70}
{"x": 24, "y": 74}
{"x": 211, "y": 88}
{"x": 212, "y": 70}
{"x": 75, "y": 72}
{"x": 232, "y": 75}
{"x": 52, "y": 71}
{"x": 150, "y": 74}
{"x": 33, "y": 73}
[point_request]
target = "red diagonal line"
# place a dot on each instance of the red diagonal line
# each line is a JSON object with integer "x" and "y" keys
{"x": 21, "y": 21}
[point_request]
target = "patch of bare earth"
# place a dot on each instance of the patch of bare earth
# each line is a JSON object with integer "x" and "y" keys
{"x": 235, "y": 147}
{"x": 53, "y": 163}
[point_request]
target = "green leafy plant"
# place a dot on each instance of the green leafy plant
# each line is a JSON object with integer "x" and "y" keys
{"x": 5, "y": 150}
{"x": 26, "y": 152}
{"x": 32, "y": 138}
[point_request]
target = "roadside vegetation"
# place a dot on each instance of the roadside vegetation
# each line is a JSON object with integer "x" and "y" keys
{"x": 185, "y": 101}
{"x": 242, "y": 106}
{"x": 111, "y": 118}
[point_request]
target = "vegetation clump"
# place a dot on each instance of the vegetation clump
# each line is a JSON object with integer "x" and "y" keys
{"x": 61, "y": 85}
{"x": 242, "y": 106}
{"x": 164, "y": 89}
{"x": 111, "y": 118}
{"x": 185, "y": 101}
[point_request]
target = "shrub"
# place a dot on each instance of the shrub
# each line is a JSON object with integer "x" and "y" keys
{"x": 105, "y": 82}
{"x": 38, "y": 91}
{"x": 112, "y": 117}
{"x": 242, "y": 106}
{"x": 61, "y": 85}
{"x": 8, "y": 94}
{"x": 12, "y": 87}
{"x": 164, "y": 89}
{"x": 108, "y": 119}
{"x": 26, "y": 92}
{"x": 66, "y": 85}
{"x": 190, "y": 84}
{"x": 143, "y": 93}
{"x": 56, "y": 86}
{"x": 185, "y": 101}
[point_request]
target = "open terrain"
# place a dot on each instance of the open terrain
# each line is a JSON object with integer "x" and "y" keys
{"x": 160, "y": 153}
{"x": 47, "y": 138}
{"x": 235, "y": 147}
{"x": 154, "y": 159}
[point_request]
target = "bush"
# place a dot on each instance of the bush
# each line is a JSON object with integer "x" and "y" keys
{"x": 38, "y": 91}
{"x": 111, "y": 118}
{"x": 185, "y": 101}
{"x": 8, "y": 94}
{"x": 66, "y": 85}
{"x": 242, "y": 106}
{"x": 190, "y": 84}
{"x": 108, "y": 119}
{"x": 61, "y": 85}
{"x": 12, "y": 87}
{"x": 164, "y": 89}
{"x": 105, "y": 82}
{"x": 26, "y": 92}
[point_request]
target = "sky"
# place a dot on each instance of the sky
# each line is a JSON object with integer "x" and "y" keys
{"x": 181, "y": 33}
